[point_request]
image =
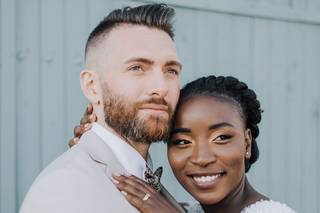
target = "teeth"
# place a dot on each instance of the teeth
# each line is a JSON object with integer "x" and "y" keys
{"x": 203, "y": 179}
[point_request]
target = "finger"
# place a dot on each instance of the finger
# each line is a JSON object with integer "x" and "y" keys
{"x": 134, "y": 182}
{"x": 78, "y": 131}
{"x": 142, "y": 182}
{"x": 136, "y": 201}
{"x": 85, "y": 119}
{"x": 131, "y": 189}
{"x": 92, "y": 118}
{"x": 89, "y": 109}
{"x": 73, "y": 142}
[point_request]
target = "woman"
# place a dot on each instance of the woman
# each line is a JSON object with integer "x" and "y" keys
{"x": 211, "y": 147}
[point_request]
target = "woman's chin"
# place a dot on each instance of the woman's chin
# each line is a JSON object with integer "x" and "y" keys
{"x": 207, "y": 199}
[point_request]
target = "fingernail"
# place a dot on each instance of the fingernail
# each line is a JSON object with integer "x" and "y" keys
{"x": 124, "y": 193}
{"x": 116, "y": 174}
{"x": 115, "y": 181}
{"x": 87, "y": 127}
{"x": 92, "y": 117}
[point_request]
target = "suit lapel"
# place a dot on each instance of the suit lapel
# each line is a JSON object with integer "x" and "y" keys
{"x": 100, "y": 152}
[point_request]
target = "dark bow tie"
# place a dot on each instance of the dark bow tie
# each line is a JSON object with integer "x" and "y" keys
{"x": 153, "y": 179}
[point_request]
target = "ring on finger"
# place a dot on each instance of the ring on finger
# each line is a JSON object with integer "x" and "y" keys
{"x": 146, "y": 197}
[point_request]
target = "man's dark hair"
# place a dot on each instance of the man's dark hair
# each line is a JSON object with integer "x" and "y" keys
{"x": 151, "y": 15}
{"x": 236, "y": 92}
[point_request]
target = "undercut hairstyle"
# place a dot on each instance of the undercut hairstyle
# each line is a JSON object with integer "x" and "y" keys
{"x": 232, "y": 90}
{"x": 157, "y": 16}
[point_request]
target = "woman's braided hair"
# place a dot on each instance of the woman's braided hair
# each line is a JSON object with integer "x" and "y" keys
{"x": 230, "y": 89}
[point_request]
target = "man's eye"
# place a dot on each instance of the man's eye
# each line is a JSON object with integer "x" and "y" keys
{"x": 173, "y": 72}
{"x": 181, "y": 142}
{"x": 135, "y": 68}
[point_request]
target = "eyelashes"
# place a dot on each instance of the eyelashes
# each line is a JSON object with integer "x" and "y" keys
{"x": 221, "y": 139}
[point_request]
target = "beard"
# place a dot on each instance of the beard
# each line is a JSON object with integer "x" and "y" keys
{"x": 122, "y": 116}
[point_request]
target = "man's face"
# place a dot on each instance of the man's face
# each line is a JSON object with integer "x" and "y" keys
{"x": 140, "y": 82}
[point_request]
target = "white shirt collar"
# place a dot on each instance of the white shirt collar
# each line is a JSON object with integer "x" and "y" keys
{"x": 130, "y": 159}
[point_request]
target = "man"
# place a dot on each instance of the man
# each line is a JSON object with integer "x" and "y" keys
{"x": 131, "y": 78}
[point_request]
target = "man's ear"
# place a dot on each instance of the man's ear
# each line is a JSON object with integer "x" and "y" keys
{"x": 248, "y": 142}
{"x": 90, "y": 85}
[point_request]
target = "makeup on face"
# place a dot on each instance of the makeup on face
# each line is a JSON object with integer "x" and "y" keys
{"x": 207, "y": 148}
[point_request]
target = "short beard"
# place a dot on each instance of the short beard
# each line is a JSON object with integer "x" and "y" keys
{"x": 122, "y": 116}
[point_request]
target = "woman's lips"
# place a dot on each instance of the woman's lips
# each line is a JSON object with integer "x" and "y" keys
{"x": 205, "y": 181}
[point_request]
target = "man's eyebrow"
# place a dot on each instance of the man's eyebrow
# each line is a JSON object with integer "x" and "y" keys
{"x": 219, "y": 125}
{"x": 174, "y": 63}
{"x": 180, "y": 130}
{"x": 142, "y": 60}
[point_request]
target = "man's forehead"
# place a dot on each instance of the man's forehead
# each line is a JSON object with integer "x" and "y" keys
{"x": 128, "y": 41}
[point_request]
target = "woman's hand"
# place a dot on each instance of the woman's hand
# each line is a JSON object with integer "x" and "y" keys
{"x": 142, "y": 196}
{"x": 85, "y": 125}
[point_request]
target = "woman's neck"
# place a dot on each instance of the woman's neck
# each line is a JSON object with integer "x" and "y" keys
{"x": 241, "y": 197}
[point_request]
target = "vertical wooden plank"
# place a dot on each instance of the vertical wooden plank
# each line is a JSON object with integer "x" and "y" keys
{"x": 225, "y": 44}
{"x": 317, "y": 126}
{"x": 312, "y": 5}
{"x": 186, "y": 42}
{"x": 308, "y": 146}
{"x": 52, "y": 81}
{"x": 206, "y": 46}
{"x": 76, "y": 33}
{"x": 29, "y": 92}
{"x": 243, "y": 48}
{"x": 261, "y": 170}
{"x": 295, "y": 114}
{"x": 278, "y": 109}
{"x": 7, "y": 106}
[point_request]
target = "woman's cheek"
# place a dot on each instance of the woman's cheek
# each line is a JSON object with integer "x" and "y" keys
{"x": 177, "y": 158}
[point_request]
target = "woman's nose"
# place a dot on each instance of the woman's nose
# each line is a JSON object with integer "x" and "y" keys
{"x": 203, "y": 154}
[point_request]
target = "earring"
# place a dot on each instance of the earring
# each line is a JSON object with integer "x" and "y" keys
{"x": 247, "y": 153}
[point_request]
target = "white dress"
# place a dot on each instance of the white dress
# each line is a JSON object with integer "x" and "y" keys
{"x": 264, "y": 206}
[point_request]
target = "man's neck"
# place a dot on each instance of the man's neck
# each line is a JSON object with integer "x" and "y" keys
{"x": 141, "y": 148}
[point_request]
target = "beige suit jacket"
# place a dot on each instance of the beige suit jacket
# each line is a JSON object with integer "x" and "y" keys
{"x": 79, "y": 181}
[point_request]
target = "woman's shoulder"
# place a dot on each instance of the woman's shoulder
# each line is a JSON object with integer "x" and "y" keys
{"x": 268, "y": 206}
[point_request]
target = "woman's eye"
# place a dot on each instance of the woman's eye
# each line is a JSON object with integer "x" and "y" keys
{"x": 136, "y": 68}
{"x": 222, "y": 138}
{"x": 181, "y": 142}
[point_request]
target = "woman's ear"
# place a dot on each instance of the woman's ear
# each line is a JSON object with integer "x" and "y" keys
{"x": 90, "y": 85}
{"x": 248, "y": 142}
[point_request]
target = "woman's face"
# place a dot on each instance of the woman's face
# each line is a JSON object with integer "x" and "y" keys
{"x": 208, "y": 147}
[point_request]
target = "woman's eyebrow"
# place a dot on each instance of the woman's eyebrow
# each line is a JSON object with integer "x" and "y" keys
{"x": 219, "y": 125}
{"x": 180, "y": 130}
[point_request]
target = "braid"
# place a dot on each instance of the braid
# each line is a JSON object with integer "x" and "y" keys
{"x": 230, "y": 89}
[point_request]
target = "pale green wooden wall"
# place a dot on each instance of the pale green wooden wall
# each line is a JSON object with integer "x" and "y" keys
{"x": 274, "y": 45}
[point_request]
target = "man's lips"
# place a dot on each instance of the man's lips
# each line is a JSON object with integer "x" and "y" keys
{"x": 155, "y": 107}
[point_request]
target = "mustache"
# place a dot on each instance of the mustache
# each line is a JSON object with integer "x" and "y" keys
{"x": 158, "y": 101}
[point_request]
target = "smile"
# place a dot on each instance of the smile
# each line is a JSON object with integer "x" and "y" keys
{"x": 205, "y": 181}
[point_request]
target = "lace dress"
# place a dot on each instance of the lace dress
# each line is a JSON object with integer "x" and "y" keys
{"x": 264, "y": 206}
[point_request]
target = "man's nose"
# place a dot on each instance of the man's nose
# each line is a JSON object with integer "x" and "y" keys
{"x": 158, "y": 84}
